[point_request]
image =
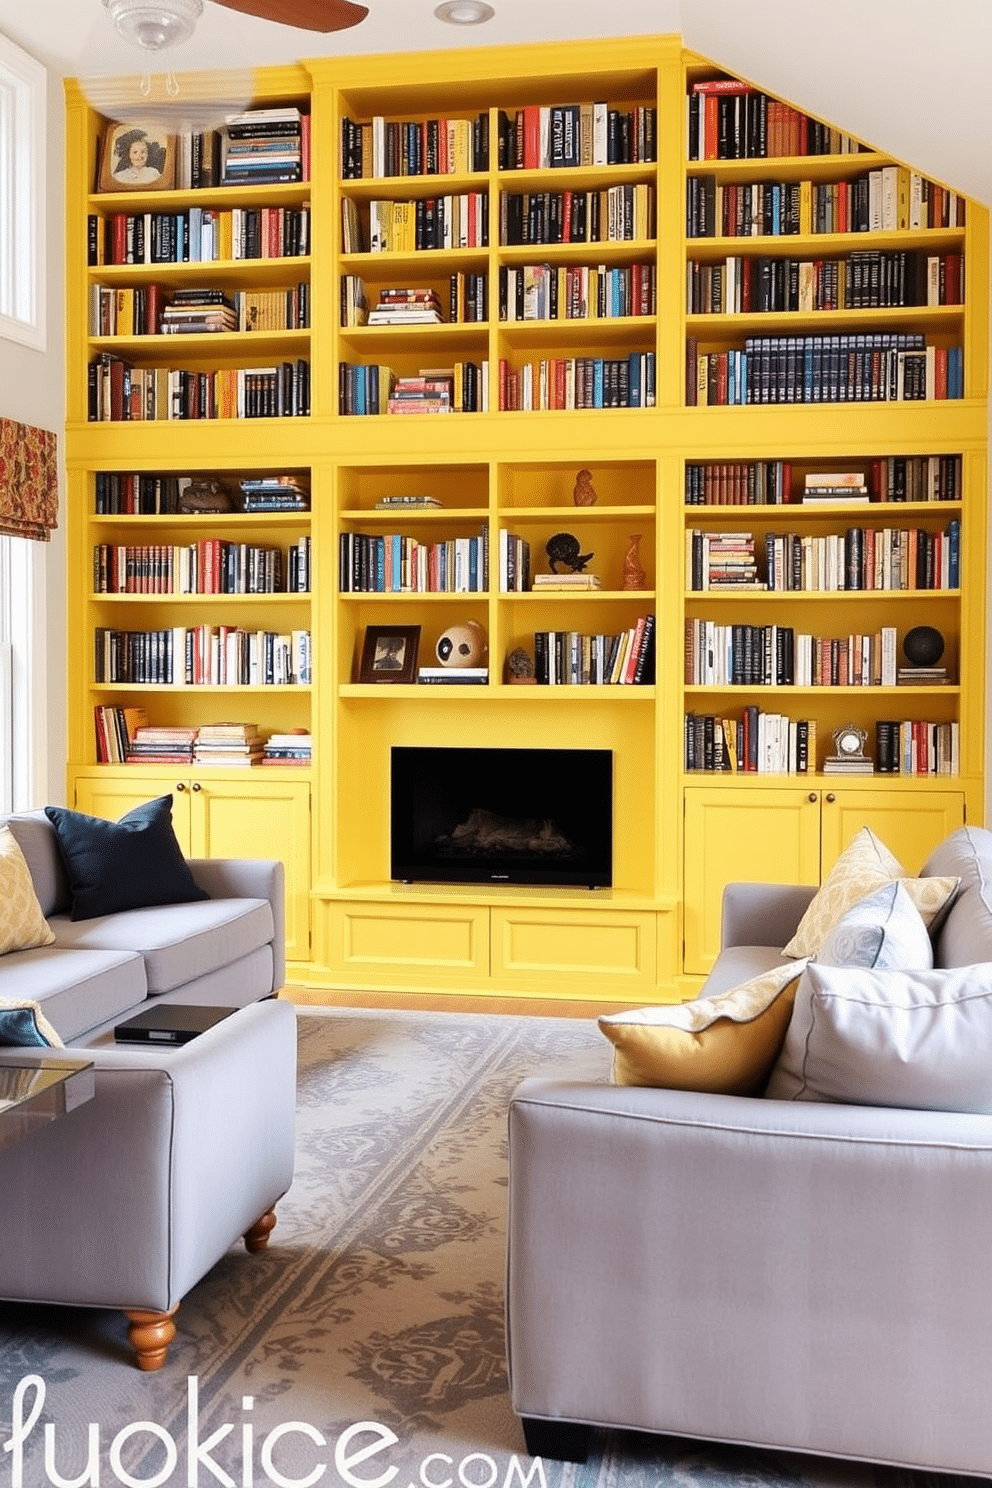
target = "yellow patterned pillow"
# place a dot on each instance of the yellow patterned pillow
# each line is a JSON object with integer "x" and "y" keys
{"x": 864, "y": 866}
{"x": 726, "y": 1044}
{"x": 22, "y": 924}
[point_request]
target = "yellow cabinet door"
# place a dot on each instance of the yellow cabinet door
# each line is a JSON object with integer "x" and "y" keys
{"x": 742, "y": 836}
{"x": 260, "y": 819}
{"x": 910, "y": 823}
{"x": 112, "y": 796}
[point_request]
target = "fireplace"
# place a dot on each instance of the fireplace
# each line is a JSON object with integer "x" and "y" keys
{"x": 513, "y": 816}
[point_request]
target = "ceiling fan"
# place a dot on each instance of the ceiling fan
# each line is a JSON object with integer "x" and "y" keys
{"x": 156, "y": 24}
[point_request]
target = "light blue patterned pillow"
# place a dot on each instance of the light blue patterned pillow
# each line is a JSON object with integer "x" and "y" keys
{"x": 23, "y": 1025}
{"x": 884, "y": 931}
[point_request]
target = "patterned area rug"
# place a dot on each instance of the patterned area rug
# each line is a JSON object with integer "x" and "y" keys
{"x": 374, "y": 1320}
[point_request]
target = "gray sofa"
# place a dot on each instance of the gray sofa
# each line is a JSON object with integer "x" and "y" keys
{"x": 228, "y": 950}
{"x": 129, "y": 1199}
{"x": 800, "y": 1275}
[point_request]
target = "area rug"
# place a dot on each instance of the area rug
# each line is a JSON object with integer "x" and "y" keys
{"x": 365, "y": 1347}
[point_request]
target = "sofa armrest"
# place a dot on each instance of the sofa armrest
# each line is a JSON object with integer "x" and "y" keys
{"x": 129, "y": 1199}
{"x": 763, "y": 914}
{"x": 249, "y": 878}
{"x": 749, "y": 1270}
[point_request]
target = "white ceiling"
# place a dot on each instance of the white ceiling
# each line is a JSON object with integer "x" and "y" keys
{"x": 910, "y": 76}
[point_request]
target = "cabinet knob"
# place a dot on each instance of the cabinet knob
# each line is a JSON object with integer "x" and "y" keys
{"x": 812, "y": 795}
{"x": 180, "y": 786}
{"x": 196, "y": 785}
{"x": 830, "y": 795}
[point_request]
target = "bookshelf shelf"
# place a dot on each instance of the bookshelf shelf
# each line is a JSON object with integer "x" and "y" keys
{"x": 679, "y": 835}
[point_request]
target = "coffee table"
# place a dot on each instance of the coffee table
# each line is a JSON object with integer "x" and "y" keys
{"x": 32, "y": 1095}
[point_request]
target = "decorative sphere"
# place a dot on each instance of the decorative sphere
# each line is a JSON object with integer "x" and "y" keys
{"x": 462, "y": 645}
{"x": 923, "y": 646}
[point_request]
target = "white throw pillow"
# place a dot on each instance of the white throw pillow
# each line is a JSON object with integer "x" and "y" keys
{"x": 917, "y": 1039}
{"x": 884, "y": 930}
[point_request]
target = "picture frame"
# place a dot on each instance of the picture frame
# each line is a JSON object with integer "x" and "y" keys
{"x": 137, "y": 157}
{"x": 389, "y": 653}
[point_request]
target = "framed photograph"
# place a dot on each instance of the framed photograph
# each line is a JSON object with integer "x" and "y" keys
{"x": 390, "y": 653}
{"x": 137, "y": 157}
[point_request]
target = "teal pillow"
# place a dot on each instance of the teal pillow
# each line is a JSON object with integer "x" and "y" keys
{"x": 24, "y": 1026}
{"x": 130, "y": 864}
{"x": 884, "y": 931}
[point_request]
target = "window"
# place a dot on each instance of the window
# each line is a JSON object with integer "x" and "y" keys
{"x": 22, "y": 196}
{"x": 23, "y": 730}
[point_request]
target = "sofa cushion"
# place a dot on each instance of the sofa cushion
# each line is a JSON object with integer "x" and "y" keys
{"x": 725, "y": 1044}
{"x": 916, "y": 1039}
{"x": 77, "y": 990}
{"x": 36, "y": 838}
{"x": 114, "y": 866}
{"x": 865, "y": 865}
{"x": 884, "y": 930}
{"x": 22, "y": 923}
{"x": 178, "y": 942}
{"x": 965, "y": 935}
{"x": 23, "y": 1025}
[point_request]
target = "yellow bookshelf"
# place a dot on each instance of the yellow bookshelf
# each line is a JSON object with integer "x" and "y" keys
{"x": 679, "y": 833}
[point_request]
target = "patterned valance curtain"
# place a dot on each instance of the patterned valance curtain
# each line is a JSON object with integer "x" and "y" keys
{"x": 29, "y": 485}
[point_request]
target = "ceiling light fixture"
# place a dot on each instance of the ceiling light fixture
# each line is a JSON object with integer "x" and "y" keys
{"x": 155, "y": 24}
{"x": 464, "y": 12}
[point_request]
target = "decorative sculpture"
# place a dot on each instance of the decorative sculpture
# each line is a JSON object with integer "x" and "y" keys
{"x": 520, "y": 667}
{"x": 923, "y": 645}
{"x": 585, "y": 492}
{"x": 564, "y": 548}
{"x": 463, "y": 645}
{"x": 633, "y": 574}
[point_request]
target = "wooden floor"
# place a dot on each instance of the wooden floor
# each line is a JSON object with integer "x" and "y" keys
{"x": 534, "y": 1007}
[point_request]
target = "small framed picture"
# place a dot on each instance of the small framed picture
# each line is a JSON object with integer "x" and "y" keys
{"x": 137, "y": 157}
{"x": 390, "y": 653}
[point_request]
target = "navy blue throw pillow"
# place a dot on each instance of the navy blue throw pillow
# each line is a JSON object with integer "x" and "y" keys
{"x": 130, "y": 864}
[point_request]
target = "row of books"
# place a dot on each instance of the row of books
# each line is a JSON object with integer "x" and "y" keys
{"x": 889, "y": 199}
{"x": 865, "y": 558}
{"x": 119, "y": 391}
{"x": 550, "y": 137}
{"x": 198, "y": 235}
{"x": 757, "y": 742}
{"x": 124, "y": 736}
{"x": 150, "y": 309}
{"x": 616, "y": 214}
{"x": 395, "y": 563}
{"x": 917, "y": 747}
{"x": 203, "y": 655}
{"x": 456, "y": 221}
{"x": 576, "y": 291}
{"x": 883, "y": 367}
{"x": 570, "y": 658}
{"x": 730, "y": 120}
{"x": 578, "y": 382}
{"x": 771, "y": 483}
{"x": 739, "y": 655}
{"x": 413, "y": 147}
{"x": 868, "y": 279}
{"x": 146, "y": 493}
{"x": 210, "y": 566}
{"x": 372, "y": 388}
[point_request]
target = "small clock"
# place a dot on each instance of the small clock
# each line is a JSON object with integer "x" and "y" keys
{"x": 849, "y": 742}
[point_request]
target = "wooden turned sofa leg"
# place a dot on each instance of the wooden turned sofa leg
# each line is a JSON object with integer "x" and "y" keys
{"x": 257, "y": 1238}
{"x": 150, "y": 1334}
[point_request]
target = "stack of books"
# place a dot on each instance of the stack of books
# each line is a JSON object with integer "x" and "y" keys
{"x": 194, "y": 311}
{"x": 407, "y": 307}
{"x": 574, "y": 583}
{"x": 227, "y": 744}
{"x": 721, "y": 560}
{"x": 454, "y": 676}
{"x": 430, "y": 392}
{"x": 275, "y": 493}
{"x": 922, "y": 676}
{"x": 386, "y": 502}
{"x": 261, "y": 146}
{"x": 294, "y": 748}
{"x": 844, "y": 485}
{"x": 161, "y": 745}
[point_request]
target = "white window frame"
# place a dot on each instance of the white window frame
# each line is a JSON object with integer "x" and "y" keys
{"x": 23, "y": 107}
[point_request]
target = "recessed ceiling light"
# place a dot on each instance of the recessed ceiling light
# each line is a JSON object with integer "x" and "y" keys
{"x": 464, "y": 12}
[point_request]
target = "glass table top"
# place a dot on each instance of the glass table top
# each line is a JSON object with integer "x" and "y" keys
{"x": 31, "y": 1095}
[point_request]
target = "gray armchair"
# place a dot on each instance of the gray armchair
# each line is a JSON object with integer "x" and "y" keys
{"x": 128, "y": 1201}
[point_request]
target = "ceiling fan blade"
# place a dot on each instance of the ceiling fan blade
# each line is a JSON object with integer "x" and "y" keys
{"x": 306, "y": 15}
